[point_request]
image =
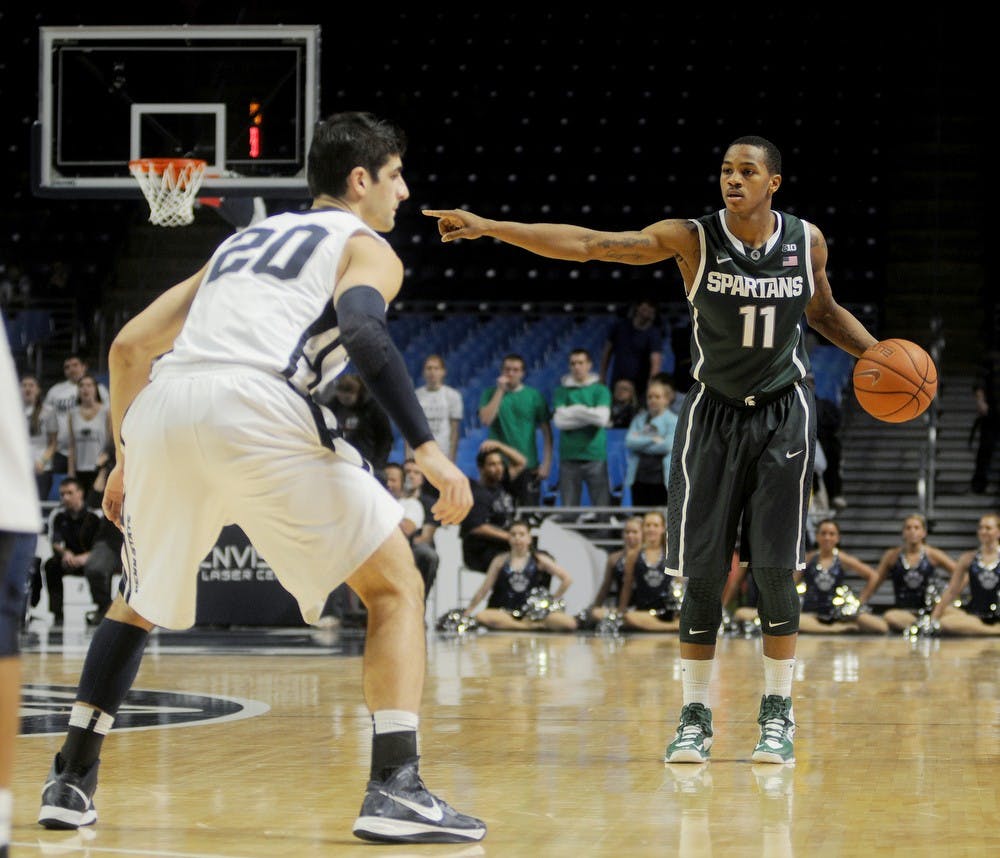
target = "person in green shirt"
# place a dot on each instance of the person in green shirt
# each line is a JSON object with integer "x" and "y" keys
{"x": 581, "y": 412}
{"x": 514, "y": 412}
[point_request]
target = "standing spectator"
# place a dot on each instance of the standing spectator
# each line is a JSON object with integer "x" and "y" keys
{"x": 649, "y": 442}
{"x": 362, "y": 421}
{"x": 485, "y": 530}
{"x": 986, "y": 389}
{"x": 442, "y": 405}
{"x": 89, "y": 424}
{"x": 74, "y": 529}
{"x": 412, "y": 523}
{"x": 624, "y": 404}
{"x": 43, "y": 431}
{"x": 634, "y": 347}
{"x": 62, "y": 396}
{"x": 515, "y": 412}
{"x": 581, "y": 411}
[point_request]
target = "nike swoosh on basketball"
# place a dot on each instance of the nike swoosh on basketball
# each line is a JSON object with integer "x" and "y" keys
{"x": 697, "y": 631}
{"x": 719, "y": 259}
{"x": 432, "y": 812}
{"x": 771, "y": 625}
{"x": 790, "y": 455}
{"x": 874, "y": 373}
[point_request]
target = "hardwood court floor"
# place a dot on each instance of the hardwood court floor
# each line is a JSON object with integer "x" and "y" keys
{"x": 556, "y": 741}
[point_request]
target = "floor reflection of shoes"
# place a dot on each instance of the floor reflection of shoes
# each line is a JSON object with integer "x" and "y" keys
{"x": 774, "y": 781}
{"x": 688, "y": 779}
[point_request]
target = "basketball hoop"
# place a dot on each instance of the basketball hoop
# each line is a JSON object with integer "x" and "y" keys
{"x": 170, "y": 186}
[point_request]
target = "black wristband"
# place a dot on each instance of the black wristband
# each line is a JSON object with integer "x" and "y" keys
{"x": 361, "y": 318}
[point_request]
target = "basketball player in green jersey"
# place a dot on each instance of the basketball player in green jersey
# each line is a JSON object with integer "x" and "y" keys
{"x": 744, "y": 443}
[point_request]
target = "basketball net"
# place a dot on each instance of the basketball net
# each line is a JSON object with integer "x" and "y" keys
{"x": 169, "y": 186}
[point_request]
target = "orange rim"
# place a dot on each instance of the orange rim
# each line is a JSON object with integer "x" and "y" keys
{"x": 158, "y": 165}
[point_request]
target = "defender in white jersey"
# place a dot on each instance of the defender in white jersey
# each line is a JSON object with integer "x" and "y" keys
{"x": 214, "y": 423}
{"x": 20, "y": 520}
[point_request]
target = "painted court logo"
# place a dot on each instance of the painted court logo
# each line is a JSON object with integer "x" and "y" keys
{"x": 45, "y": 709}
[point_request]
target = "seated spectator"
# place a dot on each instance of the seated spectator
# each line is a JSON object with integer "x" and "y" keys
{"x": 977, "y": 570}
{"x": 510, "y": 579}
{"x": 105, "y": 560}
{"x": 442, "y": 405}
{"x": 514, "y": 412}
{"x": 650, "y": 600}
{"x": 581, "y": 410}
{"x": 62, "y": 397}
{"x": 89, "y": 426}
{"x": 912, "y": 569}
{"x": 624, "y": 404}
{"x": 412, "y": 523}
{"x": 649, "y": 442}
{"x": 74, "y": 531}
{"x": 43, "y": 432}
{"x": 485, "y": 530}
{"x": 416, "y": 486}
{"x": 609, "y": 593}
{"x": 634, "y": 348}
{"x": 362, "y": 421}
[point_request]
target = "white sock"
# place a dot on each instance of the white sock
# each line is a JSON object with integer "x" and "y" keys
{"x": 6, "y": 807}
{"x": 696, "y": 676}
{"x": 395, "y": 721}
{"x": 778, "y": 676}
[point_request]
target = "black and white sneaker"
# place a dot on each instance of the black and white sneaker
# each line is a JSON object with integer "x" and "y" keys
{"x": 402, "y": 810}
{"x": 68, "y": 797}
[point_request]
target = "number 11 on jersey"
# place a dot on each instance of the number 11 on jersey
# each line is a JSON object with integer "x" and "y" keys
{"x": 749, "y": 312}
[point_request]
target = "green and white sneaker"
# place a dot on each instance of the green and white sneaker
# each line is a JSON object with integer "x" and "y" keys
{"x": 777, "y": 729}
{"x": 694, "y": 736}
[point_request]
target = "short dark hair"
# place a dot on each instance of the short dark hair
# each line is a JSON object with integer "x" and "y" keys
{"x": 772, "y": 155}
{"x": 347, "y": 140}
{"x": 482, "y": 454}
{"x": 581, "y": 351}
{"x": 514, "y": 356}
{"x": 70, "y": 481}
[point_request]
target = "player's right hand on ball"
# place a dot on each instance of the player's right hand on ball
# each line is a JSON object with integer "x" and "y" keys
{"x": 455, "y": 499}
{"x": 455, "y": 223}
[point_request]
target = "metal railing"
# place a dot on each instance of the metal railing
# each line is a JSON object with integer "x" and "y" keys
{"x": 927, "y": 476}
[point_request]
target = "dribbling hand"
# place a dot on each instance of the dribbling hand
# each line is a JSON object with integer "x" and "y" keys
{"x": 455, "y": 223}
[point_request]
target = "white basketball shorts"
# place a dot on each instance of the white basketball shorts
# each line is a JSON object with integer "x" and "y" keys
{"x": 212, "y": 448}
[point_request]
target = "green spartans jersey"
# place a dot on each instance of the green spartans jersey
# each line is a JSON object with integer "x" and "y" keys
{"x": 747, "y": 307}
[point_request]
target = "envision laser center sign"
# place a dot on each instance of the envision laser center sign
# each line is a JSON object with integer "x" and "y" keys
{"x": 236, "y": 586}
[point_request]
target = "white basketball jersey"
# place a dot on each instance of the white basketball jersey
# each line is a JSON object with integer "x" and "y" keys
{"x": 19, "y": 509}
{"x": 267, "y": 302}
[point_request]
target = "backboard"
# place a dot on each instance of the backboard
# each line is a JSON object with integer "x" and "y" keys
{"x": 243, "y": 98}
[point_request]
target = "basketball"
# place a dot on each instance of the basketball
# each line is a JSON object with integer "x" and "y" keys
{"x": 895, "y": 380}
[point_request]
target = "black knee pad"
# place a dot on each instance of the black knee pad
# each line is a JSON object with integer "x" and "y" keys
{"x": 701, "y": 610}
{"x": 778, "y": 605}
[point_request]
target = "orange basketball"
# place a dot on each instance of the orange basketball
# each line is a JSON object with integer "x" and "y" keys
{"x": 895, "y": 380}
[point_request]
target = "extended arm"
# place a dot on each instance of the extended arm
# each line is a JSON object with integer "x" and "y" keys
{"x": 883, "y": 569}
{"x": 488, "y": 582}
{"x": 655, "y": 243}
{"x": 955, "y": 585}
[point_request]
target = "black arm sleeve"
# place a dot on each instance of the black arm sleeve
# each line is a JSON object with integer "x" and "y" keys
{"x": 361, "y": 318}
